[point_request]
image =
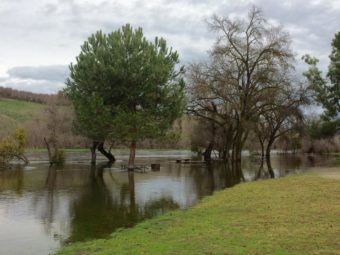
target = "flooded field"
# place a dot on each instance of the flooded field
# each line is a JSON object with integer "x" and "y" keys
{"x": 43, "y": 208}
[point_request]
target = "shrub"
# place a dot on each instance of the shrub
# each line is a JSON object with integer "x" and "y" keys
{"x": 58, "y": 157}
{"x": 321, "y": 146}
{"x": 13, "y": 147}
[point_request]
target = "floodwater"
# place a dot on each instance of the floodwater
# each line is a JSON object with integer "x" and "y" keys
{"x": 43, "y": 208}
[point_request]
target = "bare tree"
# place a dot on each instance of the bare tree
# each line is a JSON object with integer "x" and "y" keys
{"x": 56, "y": 124}
{"x": 281, "y": 116}
{"x": 231, "y": 89}
{"x": 282, "y": 111}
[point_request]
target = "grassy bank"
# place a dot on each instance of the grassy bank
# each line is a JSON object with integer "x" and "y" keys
{"x": 292, "y": 215}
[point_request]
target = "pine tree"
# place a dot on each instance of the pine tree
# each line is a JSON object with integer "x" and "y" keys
{"x": 126, "y": 88}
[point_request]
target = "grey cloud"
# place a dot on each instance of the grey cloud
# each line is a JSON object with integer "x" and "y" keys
{"x": 314, "y": 24}
{"x": 54, "y": 30}
{"x": 49, "y": 9}
{"x": 55, "y": 73}
{"x": 39, "y": 79}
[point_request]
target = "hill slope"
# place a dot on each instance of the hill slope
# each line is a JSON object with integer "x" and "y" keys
{"x": 16, "y": 113}
{"x": 13, "y": 113}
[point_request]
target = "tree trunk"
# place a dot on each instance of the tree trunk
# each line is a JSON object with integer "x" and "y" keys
{"x": 268, "y": 149}
{"x": 225, "y": 152}
{"x": 93, "y": 152}
{"x": 23, "y": 158}
{"x": 228, "y": 144}
{"x": 220, "y": 153}
{"x": 48, "y": 151}
{"x": 131, "y": 164}
{"x": 237, "y": 152}
{"x": 207, "y": 152}
{"x": 259, "y": 171}
{"x": 270, "y": 169}
{"x": 262, "y": 149}
{"x": 107, "y": 154}
{"x": 236, "y": 157}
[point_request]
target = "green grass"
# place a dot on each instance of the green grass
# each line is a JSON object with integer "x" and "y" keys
{"x": 292, "y": 215}
{"x": 13, "y": 113}
{"x": 19, "y": 110}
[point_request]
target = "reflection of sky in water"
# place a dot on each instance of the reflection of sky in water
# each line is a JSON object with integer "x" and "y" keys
{"x": 22, "y": 231}
{"x": 181, "y": 190}
{"x": 28, "y": 225}
{"x": 40, "y": 209}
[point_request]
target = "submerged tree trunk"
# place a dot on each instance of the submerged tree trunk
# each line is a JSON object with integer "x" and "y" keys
{"x": 131, "y": 164}
{"x": 225, "y": 152}
{"x": 259, "y": 171}
{"x": 237, "y": 151}
{"x": 270, "y": 169}
{"x": 55, "y": 155}
{"x": 207, "y": 152}
{"x": 93, "y": 152}
{"x": 100, "y": 146}
{"x": 228, "y": 144}
{"x": 268, "y": 150}
{"x": 237, "y": 157}
{"x": 23, "y": 158}
{"x": 262, "y": 149}
{"x": 48, "y": 150}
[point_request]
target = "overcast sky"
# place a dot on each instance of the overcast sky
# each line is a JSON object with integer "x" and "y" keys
{"x": 39, "y": 38}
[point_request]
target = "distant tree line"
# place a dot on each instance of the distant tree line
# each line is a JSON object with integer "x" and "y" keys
{"x": 32, "y": 97}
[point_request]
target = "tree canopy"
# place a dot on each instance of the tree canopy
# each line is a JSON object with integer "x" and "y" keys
{"x": 326, "y": 89}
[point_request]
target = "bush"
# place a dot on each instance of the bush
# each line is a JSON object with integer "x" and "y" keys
{"x": 58, "y": 157}
{"x": 321, "y": 146}
{"x": 13, "y": 147}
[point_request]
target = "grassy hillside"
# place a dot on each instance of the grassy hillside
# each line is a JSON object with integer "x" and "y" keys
{"x": 13, "y": 113}
{"x": 16, "y": 113}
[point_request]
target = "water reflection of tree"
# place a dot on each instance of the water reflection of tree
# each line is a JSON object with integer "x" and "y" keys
{"x": 270, "y": 168}
{"x": 203, "y": 179}
{"x": 96, "y": 213}
{"x": 281, "y": 166}
{"x": 233, "y": 174}
{"x": 264, "y": 173}
{"x": 214, "y": 176}
{"x": 50, "y": 184}
{"x": 12, "y": 179}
